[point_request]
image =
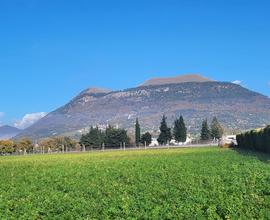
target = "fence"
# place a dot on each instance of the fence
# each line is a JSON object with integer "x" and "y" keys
{"x": 123, "y": 148}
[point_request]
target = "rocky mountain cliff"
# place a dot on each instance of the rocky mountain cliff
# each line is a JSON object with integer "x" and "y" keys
{"x": 236, "y": 107}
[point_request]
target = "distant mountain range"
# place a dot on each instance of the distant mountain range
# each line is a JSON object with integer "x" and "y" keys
{"x": 193, "y": 96}
{"x": 7, "y": 132}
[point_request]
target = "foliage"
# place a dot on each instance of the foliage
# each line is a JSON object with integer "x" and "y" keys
{"x": 115, "y": 137}
{"x": 94, "y": 138}
{"x": 137, "y": 133}
{"x": 146, "y": 139}
{"x": 112, "y": 137}
{"x": 255, "y": 140}
{"x": 57, "y": 144}
{"x": 205, "y": 183}
{"x": 205, "y": 132}
{"x": 47, "y": 145}
{"x": 180, "y": 130}
{"x": 216, "y": 129}
{"x": 7, "y": 147}
{"x": 165, "y": 132}
{"x": 25, "y": 145}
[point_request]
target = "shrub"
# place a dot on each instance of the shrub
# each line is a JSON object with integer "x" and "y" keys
{"x": 258, "y": 139}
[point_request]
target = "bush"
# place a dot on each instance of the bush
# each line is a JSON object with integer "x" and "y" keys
{"x": 258, "y": 139}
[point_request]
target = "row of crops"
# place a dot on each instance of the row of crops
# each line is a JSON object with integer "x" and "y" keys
{"x": 258, "y": 139}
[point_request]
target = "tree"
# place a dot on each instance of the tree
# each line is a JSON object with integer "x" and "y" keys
{"x": 146, "y": 139}
{"x": 165, "y": 132}
{"x": 94, "y": 138}
{"x": 216, "y": 129}
{"x": 57, "y": 144}
{"x": 47, "y": 145}
{"x": 180, "y": 130}
{"x": 25, "y": 145}
{"x": 205, "y": 132}
{"x": 6, "y": 147}
{"x": 68, "y": 143}
{"x": 137, "y": 133}
{"x": 114, "y": 137}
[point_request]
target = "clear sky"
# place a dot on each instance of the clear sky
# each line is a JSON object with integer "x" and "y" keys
{"x": 50, "y": 50}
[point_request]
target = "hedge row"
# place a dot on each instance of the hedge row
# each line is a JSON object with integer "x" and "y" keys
{"x": 255, "y": 140}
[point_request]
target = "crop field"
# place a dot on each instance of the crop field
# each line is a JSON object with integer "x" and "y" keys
{"x": 201, "y": 183}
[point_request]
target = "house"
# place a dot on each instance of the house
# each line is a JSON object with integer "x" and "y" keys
{"x": 172, "y": 142}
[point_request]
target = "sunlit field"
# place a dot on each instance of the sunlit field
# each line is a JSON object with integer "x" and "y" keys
{"x": 145, "y": 184}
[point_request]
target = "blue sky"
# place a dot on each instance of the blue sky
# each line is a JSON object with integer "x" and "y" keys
{"x": 50, "y": 50}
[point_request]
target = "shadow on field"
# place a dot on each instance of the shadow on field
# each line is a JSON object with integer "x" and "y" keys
{"x": 264, "y": 157}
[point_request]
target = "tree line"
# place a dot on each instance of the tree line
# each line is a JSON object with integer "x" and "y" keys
{"x": 179, "y": 131}
{"x": 117, "y": 137}
{"x": 22, "y": 146}
{"x": 111, "y": 138}
{"x": 47, "y": 145}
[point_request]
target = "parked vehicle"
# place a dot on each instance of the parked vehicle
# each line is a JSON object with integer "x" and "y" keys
{"x": 227, "y": 141}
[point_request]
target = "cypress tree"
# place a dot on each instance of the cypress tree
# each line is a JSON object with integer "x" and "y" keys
{"x": 165, "y": 132}
{"x": 216, "y": 129}
{"x": 205, "y": 132}
{"x": 137, "y": 133}
{"x": 180, "y": 130}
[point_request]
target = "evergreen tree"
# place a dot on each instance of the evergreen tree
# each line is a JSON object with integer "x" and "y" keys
{"x": 165, "y": 132}
{"x": 205, "y": 132}
{"x": 137, "y": 133}
{"x": 93, "y": 138}
{"x": 180, "y": 130}
{"x": 115, "y": 137}
{"x": 216, "y": 129}
{"x": 146, "y": 139}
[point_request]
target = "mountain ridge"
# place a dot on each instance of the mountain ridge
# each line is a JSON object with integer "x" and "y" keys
{"x": 7, "y": 132}
{"x": 236, "y": 107}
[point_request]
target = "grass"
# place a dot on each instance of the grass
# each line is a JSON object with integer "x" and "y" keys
{"x": 204, "y": 183}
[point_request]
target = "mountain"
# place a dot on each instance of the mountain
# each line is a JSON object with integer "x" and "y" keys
{"x": 237, "y": 108}
{"x": 176, "y": 79}
{"x": 7, "y": 132}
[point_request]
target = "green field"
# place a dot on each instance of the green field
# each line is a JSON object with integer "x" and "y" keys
{"x": 194, "y": 183}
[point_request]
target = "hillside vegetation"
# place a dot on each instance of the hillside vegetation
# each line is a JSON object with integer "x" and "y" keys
{"x": 148, "y": 184}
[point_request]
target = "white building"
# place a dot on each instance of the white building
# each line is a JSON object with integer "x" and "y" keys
{"x": 155, "y": 143}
